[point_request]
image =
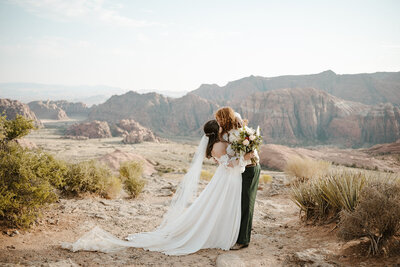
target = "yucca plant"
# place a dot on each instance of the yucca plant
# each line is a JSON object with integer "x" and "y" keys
{"x": 341, "y": 189}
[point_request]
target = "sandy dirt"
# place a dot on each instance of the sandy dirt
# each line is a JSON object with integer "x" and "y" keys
{"x": 279, "y": 237}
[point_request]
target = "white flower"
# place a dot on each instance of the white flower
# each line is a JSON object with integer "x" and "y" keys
{"x": 230, "y": 151}
{"x": 232, "y": 138}
{"x": 249, "y": 130}
{"x": 246, "y": 142}
{"x": 252, "y": 137}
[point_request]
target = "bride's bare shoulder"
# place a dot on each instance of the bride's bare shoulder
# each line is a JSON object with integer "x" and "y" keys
{"x": 219, "y": 149}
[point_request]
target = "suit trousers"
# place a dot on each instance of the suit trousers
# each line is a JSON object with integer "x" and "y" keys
{"x": 250, "y": 178}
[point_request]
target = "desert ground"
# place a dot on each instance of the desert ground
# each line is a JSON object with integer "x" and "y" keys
{"x": 279, "y": 237}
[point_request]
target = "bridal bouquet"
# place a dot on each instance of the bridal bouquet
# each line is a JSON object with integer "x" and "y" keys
{"x": 245, "y": 140}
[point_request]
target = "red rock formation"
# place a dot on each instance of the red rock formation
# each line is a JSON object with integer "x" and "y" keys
{"x": 367, "y": 88}
{"x": 384, "y": 149}
{"x": 47, "y": 110}
{"x": 135, "y": 133}
{"x": 275, "y": 156}
{"x": 94, "y": 129}
{"x": 163, "y": 115}
{"x": 71, "y": 108}
{"x": 307, "y": 116}
{"x": 13, "y": 107}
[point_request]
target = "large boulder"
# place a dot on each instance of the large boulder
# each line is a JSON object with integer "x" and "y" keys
{"x": 47, "y": 110}
{"x": 135, "y": 133}
{"x": 13, "y": 107}
{"x": 93, "y": 129}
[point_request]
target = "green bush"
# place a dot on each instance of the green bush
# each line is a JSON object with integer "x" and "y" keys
{"x": 89, "y": 176}
{"x": 27, "y": 180}
{"x": 131, "y": 176}
{"x": 27, "y": 177}
{"x": 376, "y": 216}
{"x": 16, "y": 128}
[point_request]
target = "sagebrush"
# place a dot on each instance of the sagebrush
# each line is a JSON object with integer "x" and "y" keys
{"x": 131, "y": 176}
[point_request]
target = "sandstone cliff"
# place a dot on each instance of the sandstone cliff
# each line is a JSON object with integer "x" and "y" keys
{"x": 47, "y": 110}
{"x": 72, "y": 108}
{"x": 367, "y": 88}
{"x": 163, "y": 115}
{"x": 13, "y": 107}
{"x": 309, "y": 116}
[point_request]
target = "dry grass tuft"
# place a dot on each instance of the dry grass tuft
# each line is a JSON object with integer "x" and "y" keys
{"x": 303, "y": 169}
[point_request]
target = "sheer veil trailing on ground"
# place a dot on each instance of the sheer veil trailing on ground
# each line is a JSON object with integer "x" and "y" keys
{"x": 98, "y": 239}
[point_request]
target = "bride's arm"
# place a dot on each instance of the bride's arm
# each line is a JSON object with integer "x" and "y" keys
{"x": 219, "y": 152}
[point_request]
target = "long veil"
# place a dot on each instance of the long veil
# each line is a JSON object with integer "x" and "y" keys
{"x": 98, "y": 239}
{"x": 187, "y": 189}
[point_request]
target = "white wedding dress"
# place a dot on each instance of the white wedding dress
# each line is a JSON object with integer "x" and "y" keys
{"x": 212, "y": 220}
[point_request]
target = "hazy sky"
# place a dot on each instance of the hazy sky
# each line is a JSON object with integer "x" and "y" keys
{"x": 178, "y": 45}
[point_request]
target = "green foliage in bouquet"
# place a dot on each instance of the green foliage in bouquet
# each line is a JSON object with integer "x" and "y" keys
{"x": 246, "y": 140}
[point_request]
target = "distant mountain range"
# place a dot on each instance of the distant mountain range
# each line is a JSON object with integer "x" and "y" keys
{"x": 90, "y": 95}
{"x": 367, "y": 88}
{"x": 349, "y": 110}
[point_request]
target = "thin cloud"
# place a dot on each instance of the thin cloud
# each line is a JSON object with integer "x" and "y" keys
{"x": 95, "y": 10}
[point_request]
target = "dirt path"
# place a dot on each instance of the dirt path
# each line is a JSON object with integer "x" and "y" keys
{"x": 279, "y": 238}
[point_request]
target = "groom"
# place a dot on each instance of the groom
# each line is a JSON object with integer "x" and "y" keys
{"x": 250, "y": 178}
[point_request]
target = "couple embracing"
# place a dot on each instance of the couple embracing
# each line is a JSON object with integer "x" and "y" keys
{"x": 220, "y": 217}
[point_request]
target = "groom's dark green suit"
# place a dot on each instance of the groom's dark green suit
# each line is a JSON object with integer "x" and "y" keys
{"x": 250, "y": 178}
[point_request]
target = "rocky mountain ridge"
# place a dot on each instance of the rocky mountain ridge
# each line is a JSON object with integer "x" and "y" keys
{"x": 367, "y": 88}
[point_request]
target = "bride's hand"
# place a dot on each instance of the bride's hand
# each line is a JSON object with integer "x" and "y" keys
{"x": 249, "y": 155}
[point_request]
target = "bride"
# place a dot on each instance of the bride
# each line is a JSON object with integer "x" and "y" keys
{"x": 212, "y": 220}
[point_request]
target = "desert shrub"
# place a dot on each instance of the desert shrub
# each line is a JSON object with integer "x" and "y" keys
{"x": 323, "y": 198}
{"x": 16, "y": 128}
{"x": 89, "y": 176}
{"x": 27, "y": 180}
{"x": 376, "y": 216}
{"x": 265, "y": 178}
{"x": 303, "y": 169}
{"x": 27, "y": 177}
{"x": 113, "y": 188}
{"x": 206, "y": 175}
{"x": 131, "y": 176}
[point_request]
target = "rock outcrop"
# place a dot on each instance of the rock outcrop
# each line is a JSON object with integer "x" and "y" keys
{"x": 13, "y": 107}
{"x": 135, "y": 133}
{"x": 93, "y": 129}
{"x": 367, "y": 88}
{"x": 72, "y": 108}
{"x": 307, "y": 116}
{"x": 384, "y": 149}
{"x": 297, "y": 116}
{"x": 47, "y": 110}
{"x": 163, "y": 115}
{"x": 275, "y": 157}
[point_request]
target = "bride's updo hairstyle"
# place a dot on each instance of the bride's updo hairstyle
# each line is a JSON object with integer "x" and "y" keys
{"x": 211, "y": 129}
{"x": 227, "y": 120}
